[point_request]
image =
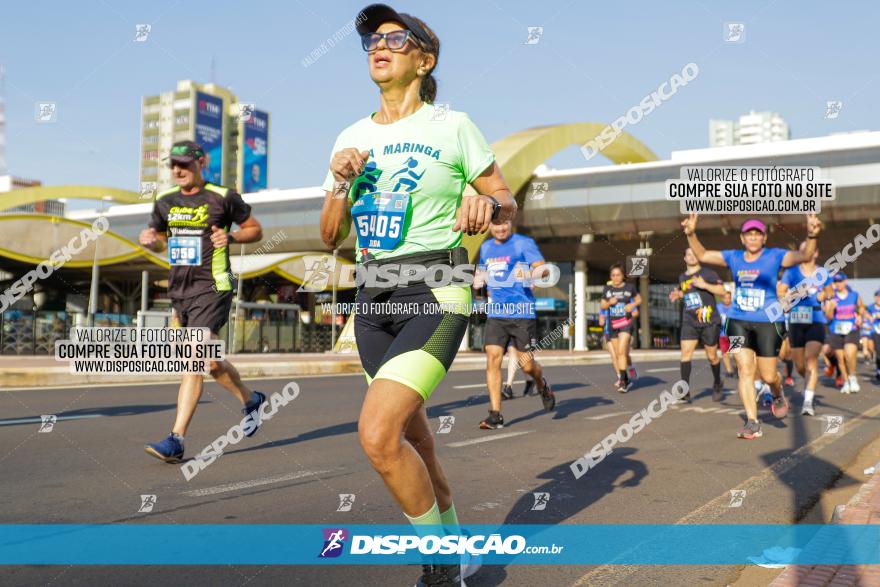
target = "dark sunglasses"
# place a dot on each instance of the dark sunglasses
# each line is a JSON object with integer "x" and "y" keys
{"x": 395, "y": 40}
{"x": 173, "y": 164}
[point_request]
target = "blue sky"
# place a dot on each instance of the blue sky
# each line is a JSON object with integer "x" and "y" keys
{"x": 593, "y": 62}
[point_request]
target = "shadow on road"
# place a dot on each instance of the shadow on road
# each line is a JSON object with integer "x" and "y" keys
{"x": 134, "y": 410}
{"x": 567, "y": 497}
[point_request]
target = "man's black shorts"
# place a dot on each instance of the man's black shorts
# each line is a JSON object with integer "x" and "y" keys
{"x": 522, "y": 331}
{"x": 837, "y": 341}
{"x": 765, "y": 338}
{"x": 708, "y": 334}
{"x": 800, "y": 334}
{"x": 205, "y": 310}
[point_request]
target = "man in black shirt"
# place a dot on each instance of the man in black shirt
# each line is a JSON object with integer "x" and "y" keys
{"x": 192, "y": 221}
{"x": 700, "y": 321}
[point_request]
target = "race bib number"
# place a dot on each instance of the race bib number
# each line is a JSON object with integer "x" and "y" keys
{"x": 379, "y": 219}
{"x": 692, "y": 300}
{"x": 749, "y": 299}
{"x": 185, "y": 250}
{"x": 801, "y": 316}
{"x": 843, "y": 328}
{"x": 617, "y": 310}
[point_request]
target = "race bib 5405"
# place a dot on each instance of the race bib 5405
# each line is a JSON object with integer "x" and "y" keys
{"x": 379, "y": 219}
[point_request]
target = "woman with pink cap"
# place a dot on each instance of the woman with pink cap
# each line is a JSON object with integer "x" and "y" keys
{"x": 750, "y": 327}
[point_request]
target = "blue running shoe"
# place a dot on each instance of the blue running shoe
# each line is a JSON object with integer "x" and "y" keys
{"x": 170, "y": 449}
{"x": 251, "y": 410}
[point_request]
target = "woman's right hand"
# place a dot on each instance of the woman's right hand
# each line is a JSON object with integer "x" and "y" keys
{"x": 348, "y": 163}
{"x": 689, "y": 224}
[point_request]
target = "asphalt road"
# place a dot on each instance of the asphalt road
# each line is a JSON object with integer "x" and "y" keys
{"x": 91, "y": 468}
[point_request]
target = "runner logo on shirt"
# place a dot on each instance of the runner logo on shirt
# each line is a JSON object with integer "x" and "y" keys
{"x": 186, "y": 216}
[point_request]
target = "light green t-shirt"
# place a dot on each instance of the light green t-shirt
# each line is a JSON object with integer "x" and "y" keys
{"x": 431, "y": 155}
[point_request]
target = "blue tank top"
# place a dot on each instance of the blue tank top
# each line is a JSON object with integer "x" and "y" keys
{"x": 874, "y": 311}
{"x": 845, "y": 313}
{"x": 809, "y": 309}
{"x": 755, "y": 283}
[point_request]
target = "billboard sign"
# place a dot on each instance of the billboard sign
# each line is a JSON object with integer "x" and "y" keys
{"x": 209, "y": 134}
{"x": 255, "y": 160}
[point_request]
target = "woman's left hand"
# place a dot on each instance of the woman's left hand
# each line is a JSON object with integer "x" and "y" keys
{"x": 474, "y": 215}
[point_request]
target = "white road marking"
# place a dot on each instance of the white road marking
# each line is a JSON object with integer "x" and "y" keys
{"x": 488, "y": 438}
{"x": 39, "y": 420}
{"x": 475, "y": 385}
{"x": 248, "y": 484}
{"x": 603, "y": 416}
{"x": 663, "y": 370}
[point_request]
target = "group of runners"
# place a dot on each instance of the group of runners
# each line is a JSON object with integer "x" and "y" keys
{"x": 399, "y": 176}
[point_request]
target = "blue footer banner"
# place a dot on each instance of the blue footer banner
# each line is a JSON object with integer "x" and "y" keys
{"x": 565, "y": 544}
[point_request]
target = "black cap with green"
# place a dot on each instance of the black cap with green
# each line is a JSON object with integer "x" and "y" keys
{"x": 186, "y": 152}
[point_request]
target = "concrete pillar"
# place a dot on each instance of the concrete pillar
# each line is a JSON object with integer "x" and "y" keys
{"x": 145, "y": 291}
{"x": 644, "y": 317}
{"x": 580, "y": 309}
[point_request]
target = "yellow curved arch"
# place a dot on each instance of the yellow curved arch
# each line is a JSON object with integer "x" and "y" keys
{"x": 55, "y": 192}
{"x": 520, "y": 153}
{"x": 136, "y": 250}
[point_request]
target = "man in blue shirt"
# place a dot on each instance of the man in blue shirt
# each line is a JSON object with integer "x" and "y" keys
{"x": 508, "y": 263}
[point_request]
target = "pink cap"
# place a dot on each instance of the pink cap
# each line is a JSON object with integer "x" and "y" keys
{"x": 754, "y": 224}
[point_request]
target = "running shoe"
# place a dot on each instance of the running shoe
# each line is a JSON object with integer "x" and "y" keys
{"x": 440, "y": 576}
{"x": 252, "y": 421}
{"x": 854, "y": 386}
{"x": 845, "y": 388}
{"x": 789, "y": 381}
{"x": 495, "y": 420}
{"x": 838, "y": 382}
{"x": 170, "y": 449}
{"x": 766, "y": 396}
{"x": 621, "y": 387}
{"x": 633, "y": 374}
{"x": 470, "y": 564}
{"x": 507, "y": 392}
{"x": 829, "y": 371}
{"x": 807, "y": 410}
{"x": 530, "y": 388}
{"x": 750, "y": 431}
{"x": 779, "y": 407}
{"x": 717, "y": 392}
{"x": 548, "y": 398}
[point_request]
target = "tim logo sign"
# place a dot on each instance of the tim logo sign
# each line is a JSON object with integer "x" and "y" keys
{"x": 209, "y": 108}
{"x": 334, "y": 540}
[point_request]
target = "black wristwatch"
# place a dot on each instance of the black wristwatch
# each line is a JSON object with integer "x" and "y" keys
{"x": 230, "y": 239}
{"x": 496, "y": 208}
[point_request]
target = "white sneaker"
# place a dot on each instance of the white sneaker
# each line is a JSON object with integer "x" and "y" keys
{"x": 470, "y": 564}
{"x": 845, "y": 388}
{"x": 854, "y": 384}
{"x": 807, "y": 410}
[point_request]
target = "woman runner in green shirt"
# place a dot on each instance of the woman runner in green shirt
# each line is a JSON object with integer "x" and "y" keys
{"x": 401, "y": 173}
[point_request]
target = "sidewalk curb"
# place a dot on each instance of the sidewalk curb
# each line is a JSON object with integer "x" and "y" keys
{"x": 42, "y": 376}
{"x": 863, "y": 508}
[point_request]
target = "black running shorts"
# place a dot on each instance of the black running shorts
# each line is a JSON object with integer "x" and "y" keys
{"x": 765, "y": 338}
{"x": 708, "y": 334}
{"x": 800, "y": 334}
{"x": 205, "y": 310}
{"x": 522, "y": 332}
